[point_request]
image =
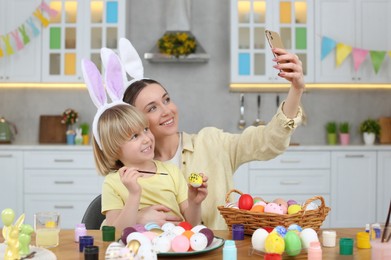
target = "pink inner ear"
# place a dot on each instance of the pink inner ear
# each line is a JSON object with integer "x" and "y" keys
{"x": 114, "y": 79}
{"x": 94, "y": 83}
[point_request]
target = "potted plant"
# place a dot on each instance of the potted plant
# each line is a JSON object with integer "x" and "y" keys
{"x": 69, "y": 118}
{"x": 344, "y": 136}
{"x": 85, "y": 131}
{"x": 370, "y": 128}
{"x": 331, "y": 129}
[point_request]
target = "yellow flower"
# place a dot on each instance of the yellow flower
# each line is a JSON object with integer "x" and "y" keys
{"x": 177, "y": 43}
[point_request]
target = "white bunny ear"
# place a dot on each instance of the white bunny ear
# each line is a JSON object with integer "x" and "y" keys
{"x": 130, "y": 59}
{"x": 93, "y": 80}
{"x": 115, "y": 76}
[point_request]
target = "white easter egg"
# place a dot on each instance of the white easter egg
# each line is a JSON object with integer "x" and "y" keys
{"x": 139, "y": 237}
{"x": 258, "y": 239}
{"x": 198, "y": 241}
{"x": 307, "y": 236}
{"x": 168, "y": 226}
{"x": 178, "y": 230}
{"x": 161, "y": 244}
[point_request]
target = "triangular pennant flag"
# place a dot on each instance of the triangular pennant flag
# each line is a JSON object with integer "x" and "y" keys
{"x": 41, "y": 18}
{"x": 18, "y": 41}
{"x": 1, "y": 52}
{"x": 8, "y": 47}
{"x": 328, "y": 45}
{"x": 377, "y": 58}
{"x": 389, "y": 54}
{"x": 25, "y": 37}
{"x": 33, "y": 27}
{"x": 342, "y": 52}
{"x": 359, "y": 56}
{"x": 52, "y": 13}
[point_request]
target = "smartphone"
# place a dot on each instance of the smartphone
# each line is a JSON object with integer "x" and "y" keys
{"x": 275, "y": 41}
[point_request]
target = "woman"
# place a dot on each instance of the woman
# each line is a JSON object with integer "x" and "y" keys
{"x": 212, "y": 151}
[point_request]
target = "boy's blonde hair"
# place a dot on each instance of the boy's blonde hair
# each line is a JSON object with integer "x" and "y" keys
{"x": 116, "y": 125}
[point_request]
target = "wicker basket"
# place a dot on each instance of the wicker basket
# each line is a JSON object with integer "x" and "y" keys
{"x": 254, "y": 220}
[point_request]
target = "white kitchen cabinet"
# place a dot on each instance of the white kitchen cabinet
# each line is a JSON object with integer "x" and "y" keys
{"x": 362, "y": 24}
{"x": 11, "y": 192}
{"x": 383, "y": 185}
{"x": 353, "y": 192}
{"x": 251, "y": 57}
{"x": 23, "y": 65}
{"x": 63, "y": 181}
{"x": 79, "y": 31}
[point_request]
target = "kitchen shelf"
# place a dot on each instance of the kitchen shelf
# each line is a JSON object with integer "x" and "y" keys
{"x": 199, "y": 56}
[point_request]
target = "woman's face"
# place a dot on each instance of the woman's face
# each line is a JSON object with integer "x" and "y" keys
{"x": 162, "y": 114}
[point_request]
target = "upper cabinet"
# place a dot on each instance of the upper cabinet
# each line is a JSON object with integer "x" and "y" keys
{"x": 79, "y": 31}
{"x": 251, "y": 57}
{"x": 22, "y": 62}
{"x": 364, "y": 24}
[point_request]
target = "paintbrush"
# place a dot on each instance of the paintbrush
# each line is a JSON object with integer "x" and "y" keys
{"x": 158, "y": 173}
{"x": 386, "y": 225}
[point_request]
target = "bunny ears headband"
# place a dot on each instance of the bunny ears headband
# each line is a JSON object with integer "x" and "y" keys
{"x": 115, "y": 78}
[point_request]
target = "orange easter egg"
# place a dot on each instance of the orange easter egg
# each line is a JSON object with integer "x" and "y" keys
{"x": 258, "y": 208}
{"x": 188, "y": 234}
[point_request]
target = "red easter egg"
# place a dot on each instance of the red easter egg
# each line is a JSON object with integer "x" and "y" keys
{"x": 245, "y": 201}
{"x": 185, "y": 225}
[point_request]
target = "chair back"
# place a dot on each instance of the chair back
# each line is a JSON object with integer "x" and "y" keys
{"x": 93, "y": 217}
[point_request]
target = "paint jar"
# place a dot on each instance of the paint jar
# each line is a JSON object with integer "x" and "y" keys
{"x": 346, "y": 246}
{"x": 363, "y": 240}
{"x": 329, "y": 238}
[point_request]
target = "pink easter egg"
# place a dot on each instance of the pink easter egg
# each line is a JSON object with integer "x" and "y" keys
{"x": 273, "y": 208}
{"x": 180, "y": 244}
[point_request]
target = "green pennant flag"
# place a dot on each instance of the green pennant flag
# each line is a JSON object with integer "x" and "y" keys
{"x": 377, "y": 58}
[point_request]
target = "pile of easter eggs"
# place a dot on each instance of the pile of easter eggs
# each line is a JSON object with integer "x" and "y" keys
{"x": 280, "y": 240}
{"x": 143, "y": 240}
{"x": 277, "y": 206}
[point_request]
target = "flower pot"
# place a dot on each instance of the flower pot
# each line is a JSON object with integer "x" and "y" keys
{"x": 71, "y": 139}
{"x": 332, "y": 139}
{"x": 369, "y": 138}
{"x": 344, "y": 138}
{"x": 86, "y": 139}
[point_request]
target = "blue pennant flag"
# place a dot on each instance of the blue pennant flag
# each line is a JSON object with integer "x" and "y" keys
{"x": 328, "y": 45}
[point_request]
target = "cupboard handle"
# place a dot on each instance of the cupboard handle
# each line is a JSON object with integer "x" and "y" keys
{"x": 63, "y": 160}
{"x": 293, "y": 182}
{"x": 290, "y": 161}
{"x": 63, "y": 182}
{"x": 63, "y": 207}
{"x": 354, "y": 156}
{"x": 5, "y": 155}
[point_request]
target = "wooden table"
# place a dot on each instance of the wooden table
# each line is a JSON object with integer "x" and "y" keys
{"x": 68, "y": 249}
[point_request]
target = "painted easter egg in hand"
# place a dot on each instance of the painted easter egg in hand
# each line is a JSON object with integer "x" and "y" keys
{"x": 245, "y": 202}
{"x": 195, "y": 180}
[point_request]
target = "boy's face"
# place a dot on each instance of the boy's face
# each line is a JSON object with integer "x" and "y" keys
{"x": 138, "y": 149}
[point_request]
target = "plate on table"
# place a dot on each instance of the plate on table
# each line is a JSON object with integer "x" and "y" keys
{"x": 41, "y": 253}
{"x": 216, "y": 243}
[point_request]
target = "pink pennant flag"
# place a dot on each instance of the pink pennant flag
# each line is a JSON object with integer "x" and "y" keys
{"x": 359, "y": 56}
{"x": 342, "y": 52}
{"x": 18, "y": 41}
{"x": 50, "y": 11}
{"x": 8, "y": 47}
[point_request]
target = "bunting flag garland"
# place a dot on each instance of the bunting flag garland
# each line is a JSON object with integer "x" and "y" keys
{"x": 18, "y": 38}
{"x": 377, "y": 58}
{"x": 328, "y": 45}
{"x": 342, "y": 52}
{"x": 359, "y": 56}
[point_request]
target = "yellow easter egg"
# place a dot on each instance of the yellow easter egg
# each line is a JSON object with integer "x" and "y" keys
{"x": 293, "y": 209}
{"x": 274, "y": 243}
{"x": 195, "y": 180}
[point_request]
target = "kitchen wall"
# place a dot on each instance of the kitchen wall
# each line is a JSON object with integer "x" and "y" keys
{"x": 200, "y": 90}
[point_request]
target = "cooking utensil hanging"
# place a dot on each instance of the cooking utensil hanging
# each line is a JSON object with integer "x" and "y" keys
{"x": 258, "y": 120}
{"x": 242, "y": 122}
